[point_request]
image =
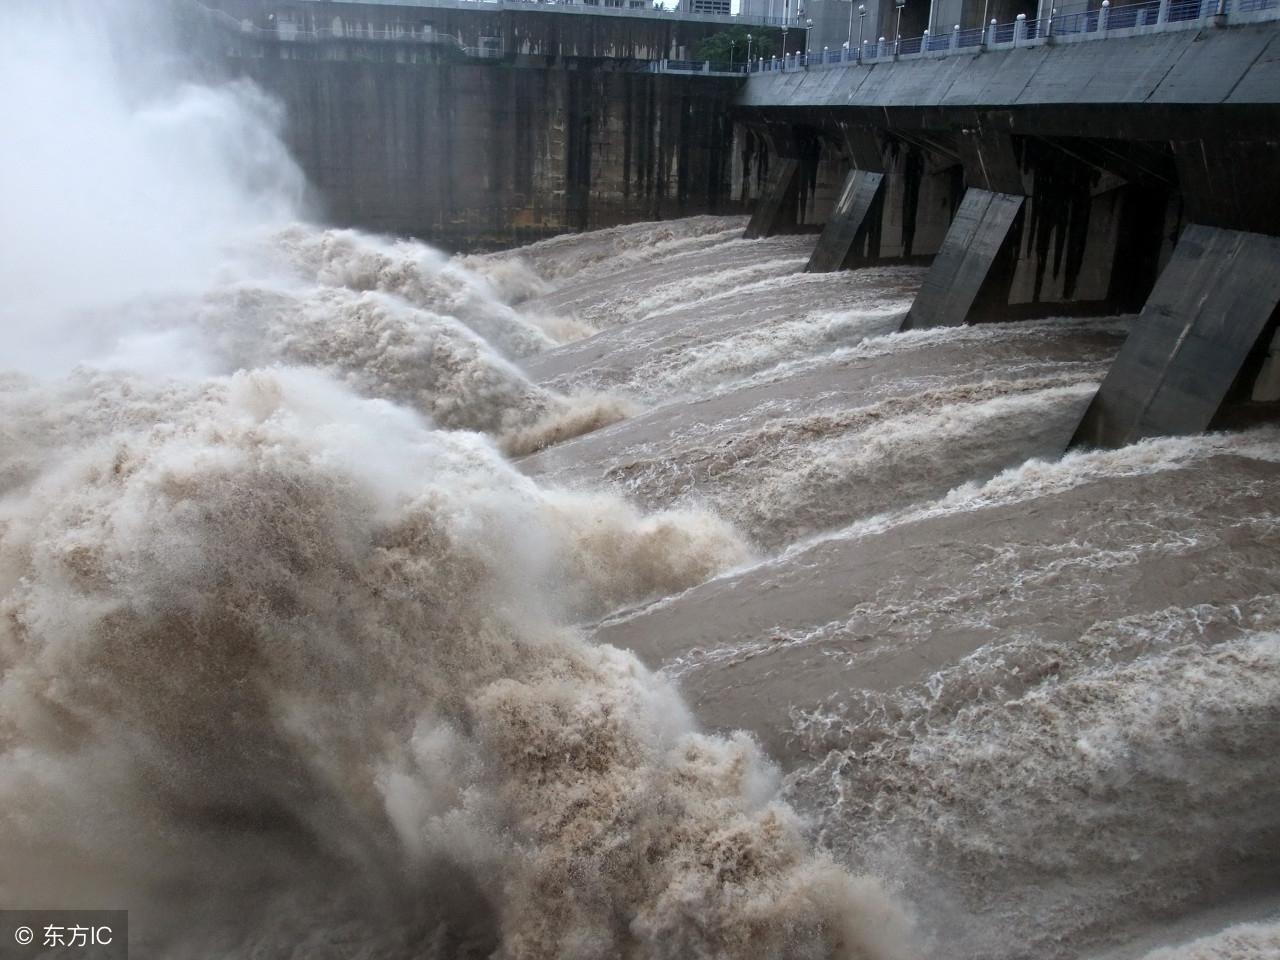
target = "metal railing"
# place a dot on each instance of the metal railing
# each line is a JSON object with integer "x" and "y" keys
{"x": 289, "y": 31}
{"x": 1144, "y": 16}
{"x": 583, "y": 7}
{"x": 602, "y": 7}
{"x": 705, "y": 67}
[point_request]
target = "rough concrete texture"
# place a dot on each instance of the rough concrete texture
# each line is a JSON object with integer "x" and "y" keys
{"x": 909, "y": 217}
{"x": 1237, "y": 65}
{"x": 976, "y": 240}
{"x": 847, "y": 222}
{"x": 1203, "y": 319}
{"x": 776, "y": 207}
{"x": 485, "y": 155}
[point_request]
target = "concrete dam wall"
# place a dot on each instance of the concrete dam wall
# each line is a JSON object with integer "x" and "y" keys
{"x": 1069, "y": 176}
{"x": 472, "y": 156}
{"x": 413, "y": 136}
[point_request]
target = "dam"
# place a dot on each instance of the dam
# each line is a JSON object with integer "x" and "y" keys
{"x": 485, "y": 480}
{"x": 1042, "y": 171}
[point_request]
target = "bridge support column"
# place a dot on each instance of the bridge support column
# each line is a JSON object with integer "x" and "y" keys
{"x": 847, "y": 225}
{"x": 980, "y": 249}
{"x": 977, "y": 238}
{"x": 846, "y": 228}
{"x": 776, "y": 207}
{"x": 778, "y": 201}
{"x": 1210, "y": 306}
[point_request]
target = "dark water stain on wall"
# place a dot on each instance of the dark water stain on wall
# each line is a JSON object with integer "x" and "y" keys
{"x": 474, "y": 156}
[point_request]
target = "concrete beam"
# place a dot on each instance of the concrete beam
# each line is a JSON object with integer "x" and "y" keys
{"x": 863, "y": 147}
{"x": 1211, "y": 304}
{"x": 1187, "y": 69}
{"x": 1218, "y": 192}
{"x": 846, "y": 228}
{"x": 979, "y": 234}
{"x": 990, "y": 161}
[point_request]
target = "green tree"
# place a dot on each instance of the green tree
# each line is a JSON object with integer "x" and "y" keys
{"x": 718, "y": 46}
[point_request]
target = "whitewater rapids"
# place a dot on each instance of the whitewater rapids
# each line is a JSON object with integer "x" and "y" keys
{"x": 288, "y": 655}
{"x": 270, "y": 616}
{"x": 1037, "y": 695}
{"x": 630, "y": 594}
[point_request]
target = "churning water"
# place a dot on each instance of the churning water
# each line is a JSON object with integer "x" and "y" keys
{"x": 356, "y": 600}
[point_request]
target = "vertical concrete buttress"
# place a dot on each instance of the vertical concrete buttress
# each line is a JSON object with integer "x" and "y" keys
{"x": 975, "y": 240}
{"x": 846, "y": 227}
{"x": 776, "y": 206}
{"x": 1209, "y": 307}
{"x": 847, "y": 223}
{"x": 980, "y": 234}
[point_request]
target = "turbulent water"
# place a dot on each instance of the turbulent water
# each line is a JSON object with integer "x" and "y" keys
{"x": 630, "y": 594}
{"x": 1037, "y": 695}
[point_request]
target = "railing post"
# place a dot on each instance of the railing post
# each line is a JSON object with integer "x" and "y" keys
{"x": 1162, "y": 15}
{"x": 924, "y": 42}
{"x": 1104, "y": 15}
{"x": 991, "y": 33}
{"x": 1020, "y": 28}
{"x": 955, "y": 38}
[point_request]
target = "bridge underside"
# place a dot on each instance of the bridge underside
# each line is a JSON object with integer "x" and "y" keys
{"x": 1141, "y": 204}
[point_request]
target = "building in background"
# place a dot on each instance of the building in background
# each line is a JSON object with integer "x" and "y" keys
{"x": 830, "y": 24}
{"x": 772, "y": 10}
{"x": 720, "y": 8}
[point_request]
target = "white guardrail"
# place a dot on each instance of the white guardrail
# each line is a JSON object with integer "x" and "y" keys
{"x": 290, "y": 31}
{"x": 1128, "y": 19}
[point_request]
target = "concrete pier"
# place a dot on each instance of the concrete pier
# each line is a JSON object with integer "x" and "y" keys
{"x": 968, "y": 260}
{"x": 472, "y": 147}
{"x": 1205, "y": 316}
{"x": 776, "y": 207}
{"x": 846, "y": 227}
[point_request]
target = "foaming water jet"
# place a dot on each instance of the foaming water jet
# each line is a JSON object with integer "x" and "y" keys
{"x": 285, "y": 667}
{"x": 295, "y": 654}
